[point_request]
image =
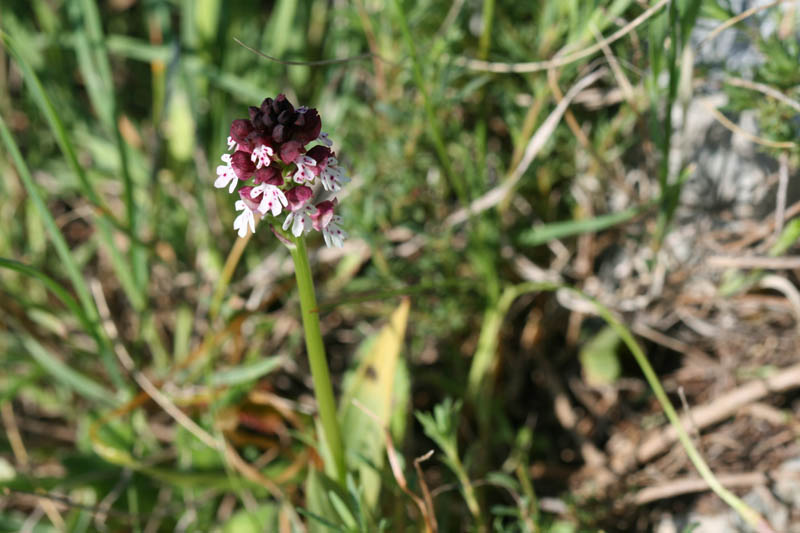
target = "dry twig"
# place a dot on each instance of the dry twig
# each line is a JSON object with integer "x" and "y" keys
{"x": 765, "y": 89}
{"x": 678, "y": 487}
{"x": 726, "y": 122}
{"x": 738, "y": 18}
{"x": 767, "y": 263}
{"x": 718, "y": 410}
{"x": 537, "y": 66}
{"x": 425, "y": 504}
{"x": 537, "y": 142}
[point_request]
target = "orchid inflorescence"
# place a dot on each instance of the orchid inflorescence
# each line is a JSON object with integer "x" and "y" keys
{"x": 272, "y": 148}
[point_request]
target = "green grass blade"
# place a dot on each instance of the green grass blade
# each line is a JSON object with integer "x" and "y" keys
{"x": 60, "y": 371}
{"x": 433, "y": 126}
{"x": 60, "y": 244}
{"x": 60, "y": 292}
{"x": 559, "y": 230}
{"x": 244, "y": 373}
{"x": 120, "y": 264}
{"x": 106, "y": 101}
{"x": 34, "y": 85}
{"x": 63, "y": 251}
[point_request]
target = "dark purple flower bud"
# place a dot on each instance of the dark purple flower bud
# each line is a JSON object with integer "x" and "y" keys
{"x": 242, "y": 165}
{"x": 281, "y": 103}
{"x": 279, "y": 133}
{"x": 320, "y": 154}
{"x": 254, "y": 114}
{"x": 286, "y": 117}
{"x": 269, "y": 175}
{"x": 249, "y": 201}
{"x": 290, "y": 150}
{"x": 324, "y": 214}
{"x": 266, "y": 106}
{"x": 240, "y": 129}
{"x": 310, "y": 128}
{"x": 267, "y": 121}
{"x": 298, "y": 197}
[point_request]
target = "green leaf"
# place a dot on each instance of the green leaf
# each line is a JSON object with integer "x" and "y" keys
{"x": 246, "y": 373}
{"x": 60, "y": 292}
{"x": 341, "y": 508}
{"x": 599, "y": 358}
{"x": 372, "y": 386}
{"x": 34, "y": 86}
{"x": 559, "y": 230}
{"x": 319, "y": 508}
{"x": 262, "y": 518}
{"x": 441, "y": 426}
{"x": 70, "y": 377}
{"x": 60, "y": 244}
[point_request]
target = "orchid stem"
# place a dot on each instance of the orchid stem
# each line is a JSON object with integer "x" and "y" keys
{"x": 323, "y": 390}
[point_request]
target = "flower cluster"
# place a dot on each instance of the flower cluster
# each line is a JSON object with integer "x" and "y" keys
{"x": 272, "y": 149}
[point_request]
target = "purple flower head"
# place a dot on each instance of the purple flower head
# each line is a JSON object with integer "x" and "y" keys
{"x": 280, "y": 152}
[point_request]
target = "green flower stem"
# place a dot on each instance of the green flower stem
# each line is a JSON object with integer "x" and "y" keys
{"x": 316, "y": 356}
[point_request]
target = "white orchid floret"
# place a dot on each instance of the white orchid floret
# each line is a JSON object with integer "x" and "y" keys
{"x": 272, "y": 200}
{"x": 226, "y": 177}
{"x": 246, "y": 220}
{"x": 300, "y": 221}
{"x": 333, "y": 176}
{"x": 333, "y": 234}
{"x": 324, "y": 139}
{"x": 262, "y": 156}
{"x": 303, "y": 173}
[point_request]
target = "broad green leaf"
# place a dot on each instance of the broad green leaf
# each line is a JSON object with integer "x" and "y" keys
{"x": 372, "y": 386}
{"x": 180, "y": 126}
{"x": 599, "y": 358}
{"x": 262, "y": 518}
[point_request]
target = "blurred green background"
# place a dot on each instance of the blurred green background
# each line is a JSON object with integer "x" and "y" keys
{"x": 114, "y": 247}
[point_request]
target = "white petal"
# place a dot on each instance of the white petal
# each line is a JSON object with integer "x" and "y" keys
{"x": 221, "y": 182}
{"x": 240, "y": 224}
{"x": 298, "y": 225}
{"x": 252, "y": 220}
{"x": 281, "y": 197}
